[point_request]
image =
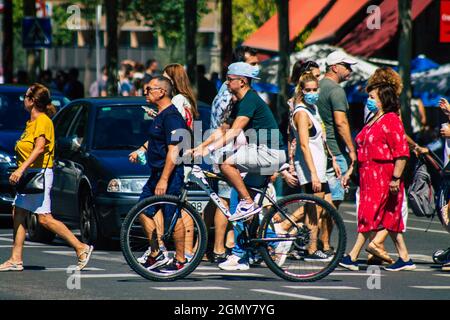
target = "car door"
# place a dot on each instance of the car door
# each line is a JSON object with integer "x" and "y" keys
{"x": 67, "y": 170}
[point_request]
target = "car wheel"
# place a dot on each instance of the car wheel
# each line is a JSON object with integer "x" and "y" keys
{"x": 89, "y": 229}
{"x": 36, "y": 232}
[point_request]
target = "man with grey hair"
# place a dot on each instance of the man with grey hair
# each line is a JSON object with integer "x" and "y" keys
{"x": 166, "y": 176}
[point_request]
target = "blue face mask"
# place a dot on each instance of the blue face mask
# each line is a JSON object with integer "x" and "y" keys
{"x": 311, "y": 98}
{"x": 371, "y": 104}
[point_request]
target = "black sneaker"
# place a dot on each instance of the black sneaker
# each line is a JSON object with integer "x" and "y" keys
{"x": 154, "y": 262}
{"x": 318, "y": 256}
{"x": 174, "y": 266}
{"x": 218, "y": 257}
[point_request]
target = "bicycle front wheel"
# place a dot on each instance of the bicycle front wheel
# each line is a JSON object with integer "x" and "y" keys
{"x": 304, "y": 240}
{"x": 161, "y": 248}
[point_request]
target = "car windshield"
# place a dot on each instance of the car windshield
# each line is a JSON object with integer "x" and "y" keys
{"x": 13, "y": 115}
{"x": 121, "y": 127}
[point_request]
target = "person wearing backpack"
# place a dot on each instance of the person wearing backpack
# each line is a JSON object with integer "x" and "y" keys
{"x": 382, "y": 155}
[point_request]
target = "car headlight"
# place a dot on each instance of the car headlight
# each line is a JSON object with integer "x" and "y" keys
{"x": 4, "y": 158}
{"x": 126, "y": 185}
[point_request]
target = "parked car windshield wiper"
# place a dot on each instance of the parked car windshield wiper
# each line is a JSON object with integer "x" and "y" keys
{"x": 118, "y": 147}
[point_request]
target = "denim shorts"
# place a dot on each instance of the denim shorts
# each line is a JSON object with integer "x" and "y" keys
{"x": 337, "y": 191}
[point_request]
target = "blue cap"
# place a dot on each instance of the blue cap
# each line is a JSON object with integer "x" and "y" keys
{"x": 244, "y": 70}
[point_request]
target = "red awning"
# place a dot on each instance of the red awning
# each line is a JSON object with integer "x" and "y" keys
{"x": 363, "y": 41}
{"x": 301, "y": 13}
{"x": 341, "y": 12}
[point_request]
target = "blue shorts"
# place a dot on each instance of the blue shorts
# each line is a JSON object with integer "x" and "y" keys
{"x": 337, "y": 191}
{"x": 175, "y": 184}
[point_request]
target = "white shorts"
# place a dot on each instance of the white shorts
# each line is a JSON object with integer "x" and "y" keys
{"x": 258, "y": 159}
{"x": 39, "y": 203}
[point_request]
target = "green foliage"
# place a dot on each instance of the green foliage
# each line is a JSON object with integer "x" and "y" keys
{"x": 248, "y": 16}
{"x": 166, "y": 17}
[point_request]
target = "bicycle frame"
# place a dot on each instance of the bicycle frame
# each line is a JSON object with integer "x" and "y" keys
{"x": 198, "y": 177}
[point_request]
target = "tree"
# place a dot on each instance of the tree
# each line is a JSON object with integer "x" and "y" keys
{"x": 284, "y": 45}
{"x": 8, "y": 43}
{"x": 166, "y": 17}
{"x": 404, "y": 59}
{"x": 29, "y": 10}
{"x": 190, "y": 27}
{"x": 249, "y": 16}
{"x": 226, "y": 50}
{"x": 112, "y": 48}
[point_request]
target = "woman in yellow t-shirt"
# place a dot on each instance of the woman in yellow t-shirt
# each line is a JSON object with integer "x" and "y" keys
{"x": 35, "y": 152}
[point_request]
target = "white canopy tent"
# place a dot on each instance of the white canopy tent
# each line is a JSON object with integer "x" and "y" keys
{"x": 318, "y": 53}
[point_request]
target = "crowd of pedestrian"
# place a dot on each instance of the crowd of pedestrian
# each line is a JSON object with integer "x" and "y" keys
{"x": 321, "y": 153}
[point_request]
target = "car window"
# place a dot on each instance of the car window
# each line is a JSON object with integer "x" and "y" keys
{"x": 121, "y": 127}
{"x": 64, "y": 118}
{"x": 77, "y": 130}
{"x": 13, "y": 115}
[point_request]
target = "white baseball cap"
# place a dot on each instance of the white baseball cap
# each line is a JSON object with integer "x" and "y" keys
{"x": 243, "y": 69}
{"x": 339, "y": 57}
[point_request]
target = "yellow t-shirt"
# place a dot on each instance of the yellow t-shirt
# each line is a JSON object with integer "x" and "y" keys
{"x": 41, "y": 126}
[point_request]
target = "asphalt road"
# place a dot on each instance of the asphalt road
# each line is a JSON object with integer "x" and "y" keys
{"x": 109, "y": 277}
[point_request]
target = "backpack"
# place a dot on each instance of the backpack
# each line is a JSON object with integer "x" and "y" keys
{"x": 421, "y": 192}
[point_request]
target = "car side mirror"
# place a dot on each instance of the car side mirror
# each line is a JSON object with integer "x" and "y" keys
{"x": 68, "y": 144}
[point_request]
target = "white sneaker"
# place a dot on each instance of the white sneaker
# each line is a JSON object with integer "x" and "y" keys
{"x": 143, "y": 259}
{"x": 245, "y": 210}
{"x": 282, "y": 247}
{"x": 234, "y": 263}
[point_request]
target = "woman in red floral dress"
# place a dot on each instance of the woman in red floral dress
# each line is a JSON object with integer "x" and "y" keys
{"x": 382, "y": 155}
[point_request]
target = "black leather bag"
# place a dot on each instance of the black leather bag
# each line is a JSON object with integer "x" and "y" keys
{"x": 31, "y": 183}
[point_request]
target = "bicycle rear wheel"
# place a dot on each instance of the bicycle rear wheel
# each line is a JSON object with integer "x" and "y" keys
{"x": 141, "y": 238}
{"x": 291, "y": 237}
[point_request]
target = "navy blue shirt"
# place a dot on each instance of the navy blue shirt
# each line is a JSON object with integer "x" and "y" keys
{"x": 163, "y": 132}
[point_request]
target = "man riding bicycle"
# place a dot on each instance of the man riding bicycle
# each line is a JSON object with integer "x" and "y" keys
{"x": 263, "y": 154}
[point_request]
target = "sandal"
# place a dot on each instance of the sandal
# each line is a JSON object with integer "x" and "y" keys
{"x": 83, "y": 262}
{"x": 378, "y": 252}
{"x": 11, "y": 266}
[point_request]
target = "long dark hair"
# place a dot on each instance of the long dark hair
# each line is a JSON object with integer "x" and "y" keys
{"x": 42, "y": 100}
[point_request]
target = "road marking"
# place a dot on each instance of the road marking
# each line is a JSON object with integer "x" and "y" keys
{"x": 421, "y": 257}
{"x": 429, "y": 230}
{"x": 94, "y": 255}
{"x": 285, "y": 294}
{"x": 432, "y": 287}
{"x": 354, "y": 274}
{"x": 29, "y": 246}
{"x": 207, "y": 268}
{"x": 6, "y": 235}
{"x": 231, "y": 274}
{"x": 26, "y": 242}
{"x": 441, "y": 275}
{"x": 101, "y": 276}
{"x": 322, "y": 287}
{"x": 72, "y": 253}
{"x": 66, "y": 269}
{"x": 189, "y": 288}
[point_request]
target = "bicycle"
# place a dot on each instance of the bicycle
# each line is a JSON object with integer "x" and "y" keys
{"x": 288, "y": 262}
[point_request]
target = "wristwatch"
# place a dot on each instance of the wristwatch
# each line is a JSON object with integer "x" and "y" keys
{"x": 394, "y": 178}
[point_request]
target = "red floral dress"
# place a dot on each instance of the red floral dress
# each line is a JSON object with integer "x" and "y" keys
{"x": 379, "y": 144}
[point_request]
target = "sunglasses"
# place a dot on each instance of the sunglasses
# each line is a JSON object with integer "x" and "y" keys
{"x": 229, "y": 79}
{"x": 346, "y": 66}
{"x": 149, "y": 89}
